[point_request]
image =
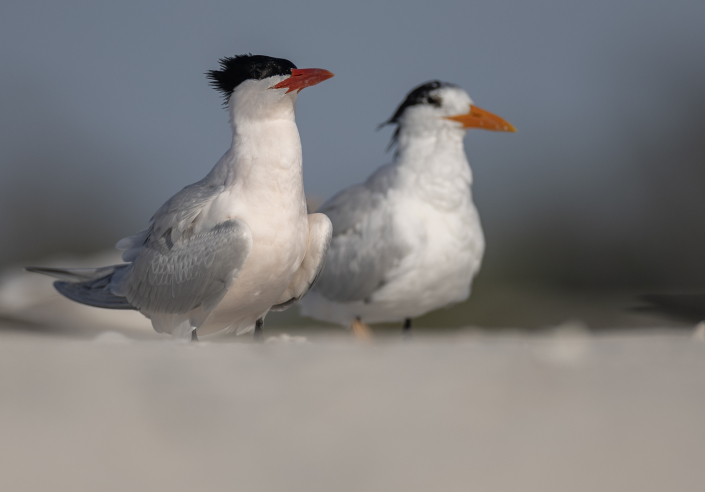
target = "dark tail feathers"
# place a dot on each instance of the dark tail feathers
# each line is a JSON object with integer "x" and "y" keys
{"x": 90, "y": 286}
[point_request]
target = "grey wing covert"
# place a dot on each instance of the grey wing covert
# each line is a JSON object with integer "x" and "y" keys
{"x": 196, "y": 270}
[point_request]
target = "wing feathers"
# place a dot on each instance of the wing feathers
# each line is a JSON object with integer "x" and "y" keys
{"x": 177, "y": 214}
{"x": 364, "y": 248}
{"x": 197, "y": 270}
{"x": 94, "y": 292}
{"x": 171, "y": 269}
{"x": 74, "y": 274}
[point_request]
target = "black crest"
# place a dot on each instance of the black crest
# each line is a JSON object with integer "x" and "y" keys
{"x": 420, "y": 95}
{"x": 236, "y": 69}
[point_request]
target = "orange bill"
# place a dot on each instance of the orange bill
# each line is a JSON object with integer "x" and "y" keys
{"x": 479, "y": 118}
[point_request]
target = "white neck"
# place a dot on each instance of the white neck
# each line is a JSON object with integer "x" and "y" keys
{"x": 265, "y": 152}
{"x": 434, "y": 164}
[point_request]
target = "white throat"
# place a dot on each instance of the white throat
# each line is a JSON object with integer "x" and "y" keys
{"x": 432, "y": 165}
{"x": 439, "y": 153}
{"x": 265, "y": 152}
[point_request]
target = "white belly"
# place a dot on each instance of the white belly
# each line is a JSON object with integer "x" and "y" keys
{"x": 436, "y": 274}
{"x": 278, "y": 249}
{"x": 447, "y": 250}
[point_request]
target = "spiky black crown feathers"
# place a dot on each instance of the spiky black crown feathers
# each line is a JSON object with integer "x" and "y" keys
{"x": 236, "y": 69}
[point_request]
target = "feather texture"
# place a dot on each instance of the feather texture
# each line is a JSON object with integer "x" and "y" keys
{"x": 195, "y": 271}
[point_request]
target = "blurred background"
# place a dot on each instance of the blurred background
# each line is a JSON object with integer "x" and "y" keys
{"x": 105, "y": 112}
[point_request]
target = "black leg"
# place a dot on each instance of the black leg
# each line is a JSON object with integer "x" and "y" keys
{"x": 258, "y": 336}
{"x": 194, "y": 337}
{"x": 406, "y": 329}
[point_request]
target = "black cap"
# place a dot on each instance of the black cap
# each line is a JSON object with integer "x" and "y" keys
{"x": 420, "y": 95}
{"x": 236, "y": 69}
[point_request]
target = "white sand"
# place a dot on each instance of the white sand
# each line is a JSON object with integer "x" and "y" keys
{"x": 555, "y": 413}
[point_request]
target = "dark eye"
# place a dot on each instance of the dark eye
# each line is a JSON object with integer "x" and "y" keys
{"x": 434, "y": 100}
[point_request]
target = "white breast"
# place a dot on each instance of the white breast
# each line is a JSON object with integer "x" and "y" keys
{"x": 265, "y": 189}
{"x": 447, "y": 249}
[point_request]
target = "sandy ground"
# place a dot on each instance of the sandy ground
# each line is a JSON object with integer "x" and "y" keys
{"x": 95, "y": 400}
{"x": 562, "y": 411}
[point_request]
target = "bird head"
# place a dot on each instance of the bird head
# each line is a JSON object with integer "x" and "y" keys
{"x": 438, "y": 106}
{"x": 262, "y": 86}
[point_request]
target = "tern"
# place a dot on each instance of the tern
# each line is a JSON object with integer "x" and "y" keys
{"x": 408, "y": 240}
{"x": 226, "y": 250}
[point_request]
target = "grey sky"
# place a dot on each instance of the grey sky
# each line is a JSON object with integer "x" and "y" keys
{"x": 105, "y": 111}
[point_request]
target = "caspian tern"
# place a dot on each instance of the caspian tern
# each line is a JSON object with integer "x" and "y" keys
{"x": 408, "y": 240}
{"x": 224, "y": 251}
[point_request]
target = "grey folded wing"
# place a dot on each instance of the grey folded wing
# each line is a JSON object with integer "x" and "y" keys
{"x": 319, "y": 235}
{"x": 171, "y": 269}
{"x": 364, "y": 248}
{"x": 173, "y": 218}
{"x": 178, "y": 276}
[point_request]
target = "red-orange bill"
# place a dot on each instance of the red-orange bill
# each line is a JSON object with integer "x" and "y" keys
{"x": 479, "y": 118}
{"x": 302, "y": 78}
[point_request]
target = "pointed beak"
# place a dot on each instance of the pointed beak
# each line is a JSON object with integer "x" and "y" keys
{"x": 479, "y": 118}
{"x": 303, "y": 77}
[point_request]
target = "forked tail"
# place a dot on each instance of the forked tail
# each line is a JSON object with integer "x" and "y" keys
{"x": 90, "y": 286}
